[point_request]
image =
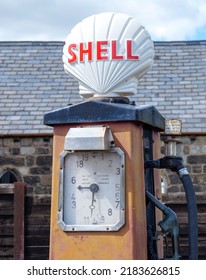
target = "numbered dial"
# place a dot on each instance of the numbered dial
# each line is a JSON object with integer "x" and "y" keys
{"x": 93, "y": 190}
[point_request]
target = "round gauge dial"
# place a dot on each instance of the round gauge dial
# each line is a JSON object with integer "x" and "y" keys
{"x": 93, "y": 190}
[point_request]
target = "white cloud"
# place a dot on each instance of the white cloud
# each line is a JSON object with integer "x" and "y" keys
{"x": 170, "y": 19}
{"x": 53, "y": 19}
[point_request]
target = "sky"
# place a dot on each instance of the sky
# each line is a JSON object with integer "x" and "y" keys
{"x": 52, "y": 20}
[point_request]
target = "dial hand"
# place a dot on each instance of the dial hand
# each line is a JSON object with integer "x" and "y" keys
{"x": 93, "y": 188}
{"x": 92, "y": 206}
{"x": 82, "y": 188}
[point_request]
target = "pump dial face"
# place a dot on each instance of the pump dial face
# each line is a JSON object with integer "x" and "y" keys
{"x": 93, "y": 190}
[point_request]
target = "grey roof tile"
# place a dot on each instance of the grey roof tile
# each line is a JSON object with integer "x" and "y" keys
{"x": 33, "y": 82}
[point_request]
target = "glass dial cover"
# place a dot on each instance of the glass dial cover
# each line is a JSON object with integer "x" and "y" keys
{"x": 92, "y": 195}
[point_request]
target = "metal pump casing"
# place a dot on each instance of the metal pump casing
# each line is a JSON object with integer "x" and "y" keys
{"x": 135, "y": 130}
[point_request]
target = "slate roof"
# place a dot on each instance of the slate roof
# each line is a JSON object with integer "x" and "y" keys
{"x": 33, "y": 82}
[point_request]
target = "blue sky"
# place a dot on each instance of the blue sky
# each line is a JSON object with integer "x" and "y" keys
{"x": 201, "y": 33}
{"x": 52, "y": 20}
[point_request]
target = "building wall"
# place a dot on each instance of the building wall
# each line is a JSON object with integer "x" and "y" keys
{"x": 194, "y": 158}
{"x": 30, "y": 158}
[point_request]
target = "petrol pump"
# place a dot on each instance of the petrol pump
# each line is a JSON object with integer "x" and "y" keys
{"x": 106, "y": 183}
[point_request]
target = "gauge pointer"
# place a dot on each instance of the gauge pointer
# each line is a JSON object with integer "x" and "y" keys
{"x": 93, "y": 188}
{"x": 83, "y": 188}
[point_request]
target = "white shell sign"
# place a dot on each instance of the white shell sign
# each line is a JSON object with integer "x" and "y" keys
{"x": 108, "y": 53}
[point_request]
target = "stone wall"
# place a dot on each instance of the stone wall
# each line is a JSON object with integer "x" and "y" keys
{"x": 194, "y": 158}
{"x": 30, "y": 159}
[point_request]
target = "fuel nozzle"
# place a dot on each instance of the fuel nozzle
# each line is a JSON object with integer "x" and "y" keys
{"x": 169, "y": 225}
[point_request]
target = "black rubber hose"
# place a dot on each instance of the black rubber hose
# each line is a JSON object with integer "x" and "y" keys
{"x": 192, "y": 216}
{"x": 176, "y": 164}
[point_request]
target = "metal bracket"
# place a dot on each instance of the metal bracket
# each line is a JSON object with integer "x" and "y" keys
{"x": 89, "y": 138}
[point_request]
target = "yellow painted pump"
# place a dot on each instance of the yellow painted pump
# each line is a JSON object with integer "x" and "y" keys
{"x": 106, "y": 183}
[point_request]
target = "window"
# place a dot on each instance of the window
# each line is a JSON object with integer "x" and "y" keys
{"x": 164, "y": 184}
{"x": 8, "y": 177}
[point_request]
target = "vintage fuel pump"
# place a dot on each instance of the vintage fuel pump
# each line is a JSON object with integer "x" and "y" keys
{"x": 106, "y": 189}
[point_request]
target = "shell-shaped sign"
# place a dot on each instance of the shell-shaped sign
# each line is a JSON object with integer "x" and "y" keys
{"x": 108, "y": 53}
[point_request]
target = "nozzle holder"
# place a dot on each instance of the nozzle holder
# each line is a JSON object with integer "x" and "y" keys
{"x": 172, "y": 147}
